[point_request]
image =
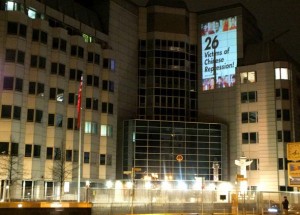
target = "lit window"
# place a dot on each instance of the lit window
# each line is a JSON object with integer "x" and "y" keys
{"x": 91, "y": 128}
{"x": 248, "y": 77}
{"x": 282, "y": 74}
{"x": 106, "y": 130}
{"x": 31, "y": 13}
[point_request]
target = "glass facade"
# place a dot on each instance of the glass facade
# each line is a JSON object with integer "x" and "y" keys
{"x": 175, "y": 150}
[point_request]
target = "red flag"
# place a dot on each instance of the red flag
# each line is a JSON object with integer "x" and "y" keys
{"x": 79, "y": 103}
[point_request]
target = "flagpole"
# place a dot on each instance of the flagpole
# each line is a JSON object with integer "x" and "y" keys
{"x": 79, "y": 107}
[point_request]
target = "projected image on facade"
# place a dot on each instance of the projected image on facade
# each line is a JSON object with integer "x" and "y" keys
{"x": 219, "y": 53}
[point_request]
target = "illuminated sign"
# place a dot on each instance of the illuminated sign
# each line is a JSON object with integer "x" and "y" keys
{"x": 294, "y": 174}
{"x": 293, "y": 151}
{"x": 219, "y": 53}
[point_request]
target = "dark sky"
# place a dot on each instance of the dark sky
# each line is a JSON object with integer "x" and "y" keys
{"x": 273, "y": 18}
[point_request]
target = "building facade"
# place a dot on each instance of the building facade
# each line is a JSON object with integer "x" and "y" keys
{"x": 44, "y": 55}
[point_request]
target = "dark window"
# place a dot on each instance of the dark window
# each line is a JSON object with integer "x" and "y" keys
{"x": 4, "y": 147}
{"x": 28, "y": 150}
{"x": 14, "y": 151}
{"x": 30, "y": 115}
{"x": 105, "y": 85}
{"x": 59, "y": 120}
{"x": 104, "y": 107}
{"x": 73, "y": 50}
{"x": 49, "y": 155}
{"x": 63, "y": 45}
{"x": 287, "y": 136}
{"x": 52, "y": 94}
{"x": 54, "y": 68}
{"x": 62, "y": 69}
{"x": 17, "y": 113}
{"x": 89, "y": 80}
{"x": 88, "y": 103}
{"x": 286, "y": 115}
{"x": 95, "y": 104}
{"x": 111, "y": 86}
{"x": 36, "y": 151}
{"x": 70, "y": 123}
{"x": 50, "y": 119}
{"x": 6, "y": 111}
{"x": 285, "y": 94}
{"x": 23, "y": 30}
{"x": 42, "y": 63}
{"x": 279, "y": 136}
{"x": 40, "y": 88}
{"x": 86, "y": 157}
{"x": 44, "y": 37}
{"x": 96, "y": 81}
{"x": 8, "y": 83}
{"x": 21, "y": 57}
{"x": 12, "y": 28}
{"x": 97, "y": 59}
{"x": 31, "y": 89}
{"x": 10, "y": 55}
{"x": 57, "y": 154}
{"x": 68, "y": 155}
{"x": 38, "y": 116}
{"x": 102, "y": 159}
{"x": 19, "y": 85}
{"x": 80, "y": 52}
{"x": 71, "y": 98}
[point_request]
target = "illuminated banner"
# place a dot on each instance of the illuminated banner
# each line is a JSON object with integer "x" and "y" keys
{"x": 294, "y": 174}
{"x": 219, "y": 53}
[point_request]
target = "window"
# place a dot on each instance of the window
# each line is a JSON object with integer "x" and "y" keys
{"x": 14, "y": 151}
{"x": 60, "y": 44}
{"x": 14, "y": 28}
{"x": 254, "y": 165}
{"x": 109, "y": 64}
{"x": 95, "y": 104}
{"x": 107, "y": 108}
{"x": 49, "y": 155}
{"x": 248, "y": 77}
{"x": 57, "y": 154}
{"x": 11, "y": 55}
{"x": 56, "y": 94}
{"x": 70, "y": 124}
{"x": 93, "y": 58}
{"x": 251, "y": 138}
{"x": 39, "y": 36}
{"x": 248, "y": 97}
{"x": 58, "y": 68}
{"x": 19, "y": 85}
{"x": 86, "y": 157}
{"x": 38, "y": 115}
{"x": 6, "y": 111}
{"x": 50, "y": 119}
{"x": 282, "y": 94}
{"x": 279, "y": 136}
{"x": 283, "y": 115}
{"x": 8, "y": 83}
{"x": 38, "y": 62}
{"x": 36, "y": 88}
{"x": 106, "y": 130}
{"x": 77, "y": 51}
{"x": 59, "y": 120}
{"x": 91, "y": 128}
{"x": 4, "y": 148}
{"x": 102, "y": 159}
{"x": 36, "y": 151}
{"x": 28, "y": 150}
{"x": 282, "y": 74}
{"x": 282, "y": 164}
{"x": 249, "y": 117}
{"x": 75, "y": 75}
{"x": 88, "y": 103}
{"x": 68, "y": 155}
{"x": 17, "y": 113}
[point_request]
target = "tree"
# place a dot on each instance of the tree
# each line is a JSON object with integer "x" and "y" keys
{"x": 61, "y": 170}
{"x": 12, "y": 169}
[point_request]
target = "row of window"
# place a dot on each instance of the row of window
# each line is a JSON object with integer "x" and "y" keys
{"x": 248, "y": 97}
{"x": 252, "y": 117}
{"x": 252, "y": 137}
{"x": 18, "y": 56}
{"x": 251, "y": 77}
{"x": 35, "y": 115}
{"x": 51, "y": 153}
{"x": 14, "y": 28}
